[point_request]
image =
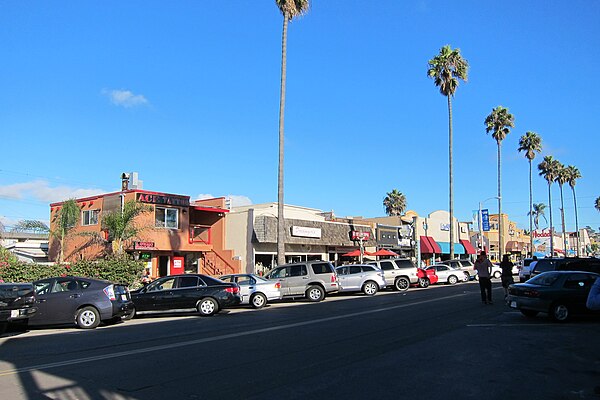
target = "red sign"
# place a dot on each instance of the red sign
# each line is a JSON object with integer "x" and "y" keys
{"x": 358, "y": 235}
{"x": 177, "y": 264}
{"x": 143, "y": 245}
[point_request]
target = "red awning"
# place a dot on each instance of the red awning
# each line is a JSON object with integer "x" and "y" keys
{"x": 468, "y": 246}
{"x": 356, "y": 253}
{"x": 429, "y": 246}
{"x": 210, "y": 209}
{"x": 384, "y": 252}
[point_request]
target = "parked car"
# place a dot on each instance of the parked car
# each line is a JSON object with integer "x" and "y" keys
{"x": 356, "y": 278}
{"x": 524, "y": 269}
{"x": 447, "y": 274}
{"x": 77, "y": 300}
{"x": 426, "y": 277}
{"x": 186, "y": 293}
{"x": 17, "y": 303}
{"x": 310, "y": 279}
{"x": 496, "y": 271}
{"x": 255, "y": 290}
{"x": 464, "y": 265}
{"x": 589, "y": 264}
{"x": 560, "y": 294}
{"x": 399, "y": 273}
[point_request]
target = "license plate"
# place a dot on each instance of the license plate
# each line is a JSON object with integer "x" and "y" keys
{"x": 124, "y": 297}
{"x": 513, "y": 304}
{"x": 14, "y": 313}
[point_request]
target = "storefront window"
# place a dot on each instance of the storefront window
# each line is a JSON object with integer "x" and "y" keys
{"x": 167, "y": 218}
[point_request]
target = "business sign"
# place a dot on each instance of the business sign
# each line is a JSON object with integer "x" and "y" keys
{"x": 167, "y": 200}
{"x": 444, "y": 227}
{"x": 177, "y": 264}
{"x": 304, "y": 231}
{"x": 541, "y": 242}
{"x": 485, "y": 220}
{"x": 143, "y": 245}
{"x": 359, "y": 235}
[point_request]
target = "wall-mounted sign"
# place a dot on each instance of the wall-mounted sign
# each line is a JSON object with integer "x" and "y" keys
{"x": 304, "y": 231}
{"x": 177, "y": 264}
{"x": 163, "y": 199}
{"x": 143, "y": 245}
{"x": 359, "y": 235}
{"x": 145, "y": 256}
{"x": 444, "y": 227}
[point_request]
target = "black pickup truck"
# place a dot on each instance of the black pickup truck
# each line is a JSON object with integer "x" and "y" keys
{"x": 17, "y": 303}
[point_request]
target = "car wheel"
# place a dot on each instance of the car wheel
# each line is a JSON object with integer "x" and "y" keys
{"x": 423, "y": 282}
{"x": 315, "y": 293}
{"x": 559, "y": 312}
{"x": 87, "y": 318}
{"x": 402, "y": 284}
{"x": 370, "y": 288}
{"x": 208, "y": 307}
{"x": 529, "y": 313}
{"x": 258, "y": 300}
{"x": 452, "y": 279}
{"x": 497, "y": 275}
{"x": 466, "y": 278}
{"x": 129, "y": 316}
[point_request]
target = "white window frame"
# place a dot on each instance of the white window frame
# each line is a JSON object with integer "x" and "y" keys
{"x": 88, "y": 221}
{"x": 167, "y": 211}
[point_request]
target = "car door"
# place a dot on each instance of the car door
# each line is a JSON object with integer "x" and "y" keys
{"x": 575, "y": 291}
{"x": 247, "y": 286}
{"x": 389, "y": 271}
{"x": 187, "y": 292}
{"x": 355, "y": 277}
{"x": 280, "y": 274}
{"x": 442, "y": 272}
{"x": 57, "y": 300}
{"x": 343, "y": 277}
{"x": 297, "y": 279}
{"x": 159, "y": 295}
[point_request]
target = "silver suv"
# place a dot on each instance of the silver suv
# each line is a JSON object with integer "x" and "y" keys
{"x": 310, "y": 279}
{"x": 464, "y": 265}
{"x": 399, "y": 272}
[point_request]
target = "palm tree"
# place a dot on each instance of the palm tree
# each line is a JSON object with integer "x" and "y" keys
{"x": 290, "y": 9}
{"x": 446, "y": 69}
{"x": 121, "y": 225}
{"x": 537, "y": 211}
{"x": 499, "y": 123}
{"x": 561, "y": 179}
{"x": 597, "y": 204}
{"x": 65, "y": 219}
{"x": 394, "y": 203}
{"x": 572, "y": 175}
{"x": 530, "y": 143}
{"x": 548, "y": 169}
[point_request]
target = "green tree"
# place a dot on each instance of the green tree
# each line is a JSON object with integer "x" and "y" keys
{"x": 290, "y": 9}
{"x": 530, "y": 143}
{"x": 561, "y": 179}
{"x": 597, "y": 204}
{"x": 31, "y": 226}
{"x": 572, "y": 175}
{"x": 447, "y": 69}
{"x": 538, "y": 210}
{"x": 499, "y": 123}
{"x": 65, "y": 220}
{"x": 394, "y": 203}
{"x": 121, "y": 225}
{"x": 548, "y": 169}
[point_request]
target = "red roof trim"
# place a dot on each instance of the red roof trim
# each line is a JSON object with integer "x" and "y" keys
{"x": 99, "y": 196}
{"x": 210, "y": 209}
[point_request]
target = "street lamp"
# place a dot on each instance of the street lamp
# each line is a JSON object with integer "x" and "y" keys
{"x": 479, "y": 222}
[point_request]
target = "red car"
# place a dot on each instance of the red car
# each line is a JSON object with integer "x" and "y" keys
{"x": 426, "y": 277}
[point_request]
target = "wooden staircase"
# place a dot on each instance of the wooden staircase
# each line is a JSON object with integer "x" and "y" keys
{"x": 218, "y": 263}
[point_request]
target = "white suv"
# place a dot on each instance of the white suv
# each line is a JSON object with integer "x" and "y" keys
{"x": 399, "y": 272}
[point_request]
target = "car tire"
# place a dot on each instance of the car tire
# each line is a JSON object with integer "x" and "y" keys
{"x": 529, "y": 313}
{"x": 497, "y": 275}
{"x": 87, "y": 318}
{"x": 559, "y": 312}
{"x": 258, "y": 300}
{"x": 423, "y": 282}
{"x": 370, "y": 288}
{"x": 452, "y": 279}
{"x": 208, "y": 307}
{"x": 315, "y": 293}
{"x": 466, "y": 278}
{"x": 402, "y": 284}
{"x": 129, "y": 316}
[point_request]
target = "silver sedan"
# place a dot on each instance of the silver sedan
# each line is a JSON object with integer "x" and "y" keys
{"x": 355, "y": 278}
{"x": 255, "y": 290}
{"x": 447, "y": 274}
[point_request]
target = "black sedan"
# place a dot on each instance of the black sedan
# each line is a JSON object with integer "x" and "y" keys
{"x": 186, "y": 292}
{"x": 560, "y": 294}
{"x": 77, "y": 300}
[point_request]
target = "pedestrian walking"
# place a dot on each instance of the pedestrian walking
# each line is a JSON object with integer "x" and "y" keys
{"x": 507, "y": 277}
{"x": 484, "y": 274}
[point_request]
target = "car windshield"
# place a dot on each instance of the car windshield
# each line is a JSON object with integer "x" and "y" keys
{"x": 544, "y": 279}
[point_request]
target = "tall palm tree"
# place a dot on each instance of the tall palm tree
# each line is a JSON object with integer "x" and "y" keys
{"x": 499, "y": 123}
{"x": 572, "y": 175}
{"x": 394, "y": 203}
{"x": 121, "y": 224}
{"x": 538, "y": 210}
{"x": 530, "y": 143}
{"x": 548, "y": 170}
{"x": 597, "y": 204}
{"x": 561, "y": 179}
{"x": 446, "y": 69}
{"x": 290, "y": 9}
{"x": 65, "y": 219}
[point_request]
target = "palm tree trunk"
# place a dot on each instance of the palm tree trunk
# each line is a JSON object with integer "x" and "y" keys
{"x": 62, "y": 246}
{"x": 551, "y": 226}
{"x": 530, "y": 211}
{"x": 500, "y": 219}
{"x": 576, "y": 219}
{"x": 562, "y": 218}
{"x": 451, "y": 177}
{"x": 280, "y": 204}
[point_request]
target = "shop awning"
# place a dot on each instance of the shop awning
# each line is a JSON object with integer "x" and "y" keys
{"x": 429, "y": 246}
{"x": 468, "y": 246}
{"x": 445, "y": 246}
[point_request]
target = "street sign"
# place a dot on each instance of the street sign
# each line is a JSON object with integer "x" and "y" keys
{"x": 485, "y": 220}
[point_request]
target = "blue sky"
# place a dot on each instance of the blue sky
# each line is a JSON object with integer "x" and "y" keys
{"x": 187, "y": 93}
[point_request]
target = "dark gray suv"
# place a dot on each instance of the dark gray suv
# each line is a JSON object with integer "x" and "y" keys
{"x": 590, "y": 264}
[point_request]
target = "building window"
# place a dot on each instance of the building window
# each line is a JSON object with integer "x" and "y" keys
{"x": 90, "y": 217}
{"x": 166, "y": 218}
{"x": 199, "y": 233}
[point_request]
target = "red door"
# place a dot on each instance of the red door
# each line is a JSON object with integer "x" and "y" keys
{"x": 177, "y": 264}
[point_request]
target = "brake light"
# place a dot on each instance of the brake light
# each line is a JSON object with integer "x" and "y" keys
{"x": 333, "y": 278}
{"x": 109, "y": 291}
{"x": 233, "y": 289}
{"x": 278, "y": 285}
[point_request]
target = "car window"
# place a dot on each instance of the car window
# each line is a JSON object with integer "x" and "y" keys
{"x": 42, "y": 288}
{"x": 545, "y": 265}
{"x": 368, "y": 268}
{"x": 226, "y": 278}
{"x": 579, "y": 281}
{"x": 355, "y": 269}
{"x": 161, "y": 284}
{"x": 246, "y": 280}
{"x": 277, "y": 273}
{"x": 65, "y": 285}
{"x": 298, "y": 270}
{"x": 342, "y": 271}
{"x": 322, "y": 268}
{"x": 404, "y": 263}
{"x": 188, "y": 281}
{"x": 544, "y": 279}
{"x": 441, "y": 268}
{"x": 84, "y": 284}
{"x": 386, "y": 265}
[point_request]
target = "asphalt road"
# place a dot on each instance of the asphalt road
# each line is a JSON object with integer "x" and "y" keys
{"x": 436, "y": 343}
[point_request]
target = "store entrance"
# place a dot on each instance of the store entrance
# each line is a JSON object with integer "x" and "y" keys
{"x": 163, "y": 265}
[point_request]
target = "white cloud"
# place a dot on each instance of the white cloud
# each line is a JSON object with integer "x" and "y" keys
{"x": 236, "y": 200}
{"x": 41, "y": 191}
{"x": 125, "y": 98}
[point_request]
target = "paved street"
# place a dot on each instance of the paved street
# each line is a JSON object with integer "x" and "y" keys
{"x": 437, "y": 343}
